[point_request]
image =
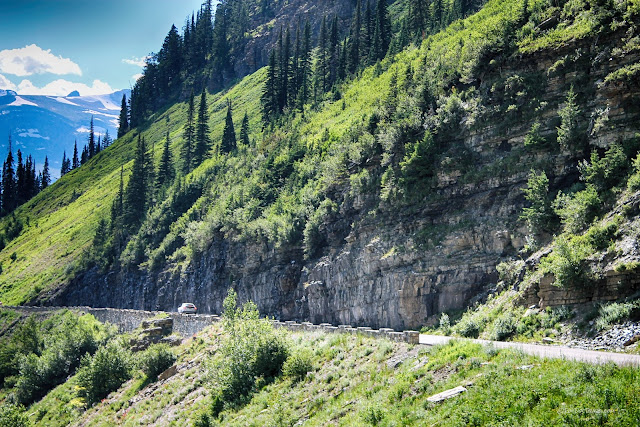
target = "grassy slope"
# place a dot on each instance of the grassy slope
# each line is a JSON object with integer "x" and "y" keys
{"x": 353, "y": 383}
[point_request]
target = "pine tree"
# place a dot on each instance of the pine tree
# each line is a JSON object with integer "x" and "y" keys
{"x": 124, "y": 118}
{"x": 135, "y": 196}
{"x": 354, "y": 40}
{"x": 8, "y": 183}
{"x": 304, "y": 67}
{"x": 333, "y": 52}
{"x": 118, "y": 204}
{"x": 98, "y": 146}
{"x": 21, "y": 190}
{"x": 46, "y": 176}
{"x": 165, "y": 168}
{"x": 229, "y": 133}
{"x": 322, "y": 63}
{"x": 66, "y": 164}
{"x": 31, "y": 186}
{"x": 92, "y": 141}
{"x": 75, "y": 162}
{"x": 106, "y": 140}
{"x": 270, "y": 91}
{"x": 189, "y": 138}
{"x": 244, "y": 131}
{"x": 84, "y": 157}
{"x": 202, "y": 132}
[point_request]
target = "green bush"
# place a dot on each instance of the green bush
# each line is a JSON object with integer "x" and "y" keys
{"x": 613, "y": 313}
{"x": 470, "y": 325}
{"x": 577, "y": 211}
{"x": 253, "y": 353}
{"x": 103, "y": 373}
{"x": 13, "y": 416}
{"x": 534, "y": 139}
{"x": 603, "y": 173}
{"x": 297, "y": 365}
{"x": 155, "y": 360}
{"x": 540, "y": 215}
{"x": 568, "y": 136}
{"x": 503, "y": 327}
{"x": 566, "y": 262}
{"x": 48, "y": 353}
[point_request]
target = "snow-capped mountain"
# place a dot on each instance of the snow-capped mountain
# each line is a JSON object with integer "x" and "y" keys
{"x": 49, "y": 125}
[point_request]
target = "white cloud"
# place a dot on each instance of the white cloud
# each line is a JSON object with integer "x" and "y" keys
{"x": 135, "y": 77}
{"x": 33, "y": 59}
{"x": 6, "y": 84}
{"x": 31, "y": 133}
{"x": 138, "y": 62}
{"x": 62, "y": 87}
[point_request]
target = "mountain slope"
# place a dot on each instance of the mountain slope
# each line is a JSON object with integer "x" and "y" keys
{"x": 391, "y": 199}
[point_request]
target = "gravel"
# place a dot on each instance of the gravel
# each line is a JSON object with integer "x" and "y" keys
{"x": 613, "y": 339}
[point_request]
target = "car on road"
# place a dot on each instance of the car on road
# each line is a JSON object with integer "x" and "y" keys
{"x": 187, "y": 308}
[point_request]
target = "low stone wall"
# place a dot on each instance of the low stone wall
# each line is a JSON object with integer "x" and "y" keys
{"x": 189, "y": 324}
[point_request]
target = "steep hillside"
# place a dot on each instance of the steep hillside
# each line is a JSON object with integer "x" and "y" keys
{"x": 346, "y": 379}
{"x": 386, "y": 201}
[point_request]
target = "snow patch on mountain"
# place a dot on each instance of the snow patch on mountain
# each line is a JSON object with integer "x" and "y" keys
{"x": 21, "y": 101}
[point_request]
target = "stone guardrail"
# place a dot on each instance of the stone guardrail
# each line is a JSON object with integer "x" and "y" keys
{"x": 189, "y": 324}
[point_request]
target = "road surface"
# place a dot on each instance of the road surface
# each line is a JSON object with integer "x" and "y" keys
{"x": 548, "y": 351}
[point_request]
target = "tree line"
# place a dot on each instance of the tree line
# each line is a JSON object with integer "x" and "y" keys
{"x": 91, "y": 148}
{"x": 20, "y": 181}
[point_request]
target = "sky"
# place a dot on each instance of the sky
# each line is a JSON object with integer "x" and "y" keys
{"x": 53, "y": 47}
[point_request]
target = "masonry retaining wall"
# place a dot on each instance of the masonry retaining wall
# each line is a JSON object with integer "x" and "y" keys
{"x": 189, "y": 324}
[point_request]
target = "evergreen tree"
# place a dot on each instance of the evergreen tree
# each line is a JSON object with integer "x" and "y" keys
{"x": 135, "y": 196}
{"x": 170, "y": 61}
{"x": 354, "y": 40}
{"x": 229, "y": 133}
{"x": 165, "y": 168}
{"x": 66, "y": 164}
{"x": 244, "y": 130}
{"x": 46, "y": 176}
{"x": 22, "y": 193}
{"x": 84, "y": 157}
{"x": 284, "y": 69}
{"x": 98, "y": 146}
{"x": 322, "y": 62}
{"x": 106, "y": 140}
{"x": 31, "y": 186}
{"x": 202, "y": 132}
{"x": 124, "y": 118}
{"x": 304, "y": 67}
{"x": 270, "y": 91}
{"x": 189, "y": 138}
{"x": 75, "y": 162}
{"x": 220, "y": 42}
{"x": 9, "y": 201}
{"x": 334, "y": 52}
{"x": 92, "y": 141}
{"x": 382, "y": 32}
{"x": 118, "y": 204}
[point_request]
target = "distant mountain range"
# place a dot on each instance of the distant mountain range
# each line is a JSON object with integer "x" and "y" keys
{"x": 48, "y": 125}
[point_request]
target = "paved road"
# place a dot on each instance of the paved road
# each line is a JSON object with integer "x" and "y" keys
{"x": 549, "y": 351}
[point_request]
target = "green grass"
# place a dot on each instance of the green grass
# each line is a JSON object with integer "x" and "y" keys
{"x": 351, "y": 384}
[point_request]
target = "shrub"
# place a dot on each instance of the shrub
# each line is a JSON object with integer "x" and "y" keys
{"x": 103, "y": 373}
{"x": 469, "y": 326}
{"x": 373, "y": 415}
{"x": 609, "y": 314}
{"x": 297, "y": 365}
{"x": 577, "y": 211}
{"x": 13, "y": 416}
{"x": 534, "y": 139}
{"x": 568, "y": 131}
{"x": 603, "y": 173}
{"x": 445, "y": 323}
{"x": 503, "y": 327}
{"x": 253, "y": 352}
{"x": 540, "y": 215}
{"x": 566, "y": 261}
{"x": 155, "y": 360}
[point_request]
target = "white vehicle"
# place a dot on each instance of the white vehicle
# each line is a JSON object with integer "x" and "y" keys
{"x": 187, "y": 307}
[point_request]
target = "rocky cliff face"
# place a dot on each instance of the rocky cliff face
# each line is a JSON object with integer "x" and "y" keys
{"x": 402, "y": 266}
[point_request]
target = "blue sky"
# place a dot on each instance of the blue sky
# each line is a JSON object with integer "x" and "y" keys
{"x": 52, "y": 47}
